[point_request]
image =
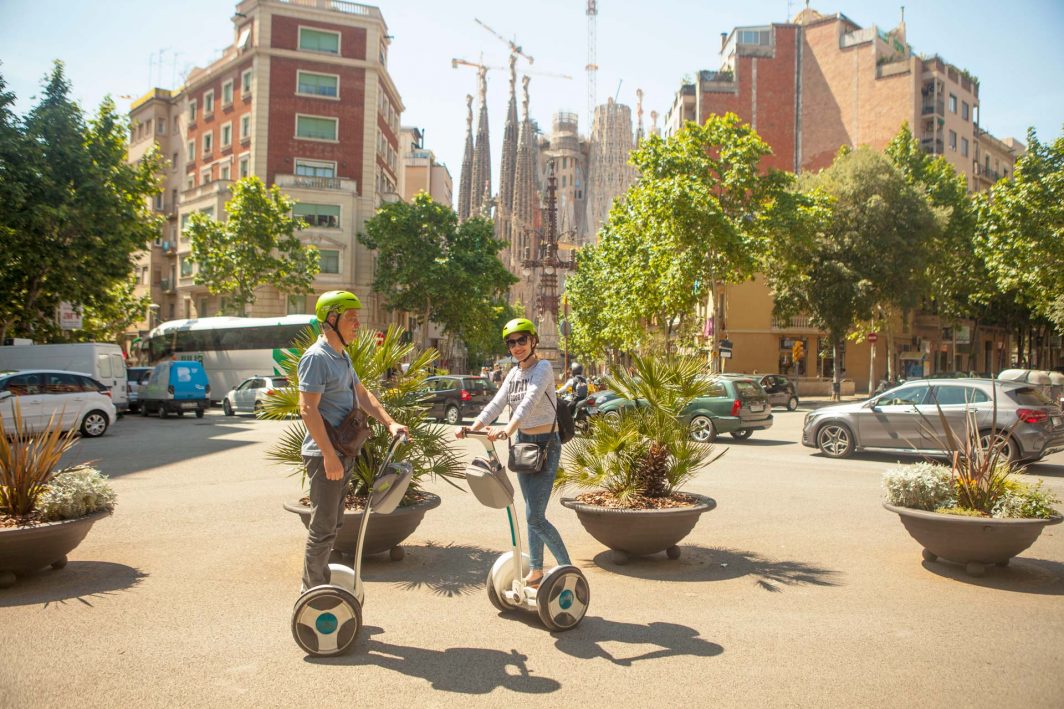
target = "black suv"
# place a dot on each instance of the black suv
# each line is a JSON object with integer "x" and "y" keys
{"x": 454, "y": 397}
{"x": 781, "y": 391}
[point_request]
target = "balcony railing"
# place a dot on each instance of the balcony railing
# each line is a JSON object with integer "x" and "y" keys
{"x": 167, "y": 285}
{"x": 216, "y": 186}
{"x": 936, "y": 107}
{"x": 350, "y": 8}
{"x": 798, "y": 322}
{"x": 316, "y": 183}
{"x": 935, "y": 147}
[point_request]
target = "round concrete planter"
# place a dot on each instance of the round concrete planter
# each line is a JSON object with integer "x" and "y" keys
{"x": 27, "y": 549}
{"x": 640, "y": 532}
{"x": 975, "y": 542}
{"x": 385, "y": 532}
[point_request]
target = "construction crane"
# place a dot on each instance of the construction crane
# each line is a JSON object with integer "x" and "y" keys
{"x": 455, "y": 63}
{"x": 514, "y": 47}
{"x": 592, "y": 67}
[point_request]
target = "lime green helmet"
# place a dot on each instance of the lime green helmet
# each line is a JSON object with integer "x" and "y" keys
{"x": 336, "y": 301}
{"x": 519, "y": 325}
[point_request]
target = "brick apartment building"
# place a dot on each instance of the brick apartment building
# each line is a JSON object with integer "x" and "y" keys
{"x": 303, "y": 99}
{"x": 809, "y": 87}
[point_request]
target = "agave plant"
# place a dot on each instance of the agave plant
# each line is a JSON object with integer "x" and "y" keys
{"x": 380, "y": 369}
{"x": 27, "y": 461}
{"x": 647, "y": 450}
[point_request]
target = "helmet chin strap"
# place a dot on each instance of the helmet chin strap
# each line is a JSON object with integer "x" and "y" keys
{"x": 336, "y": 329}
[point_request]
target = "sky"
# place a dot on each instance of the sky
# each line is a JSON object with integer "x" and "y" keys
{"x": 113, "y": 47}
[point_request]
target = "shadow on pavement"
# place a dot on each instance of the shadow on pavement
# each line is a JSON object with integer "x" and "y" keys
{"x": 1045, "y": 470}
{"x": 81, "y": 581}
{"x": 585, "y": 641}
{"x": 698, "y": 563}
{"x": 754, "y": 441}
{"x": 446, "y": 570}
{"x": 463, "y": 670}
{"x": 1023, "y": 575}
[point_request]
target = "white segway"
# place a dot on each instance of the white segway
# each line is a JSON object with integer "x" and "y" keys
{"x": 563, "y": 595}
{"x": 326, "y": 619}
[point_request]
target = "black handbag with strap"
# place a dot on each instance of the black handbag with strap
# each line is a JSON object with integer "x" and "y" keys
{"x": 530, "y": 457}
{"x": 348, "y": 438}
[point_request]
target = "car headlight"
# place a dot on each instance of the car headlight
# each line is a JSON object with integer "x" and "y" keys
{"x": 808, "y": 419}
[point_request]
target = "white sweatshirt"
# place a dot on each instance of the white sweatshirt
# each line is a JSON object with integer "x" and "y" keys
{"x": 530, "y": 394}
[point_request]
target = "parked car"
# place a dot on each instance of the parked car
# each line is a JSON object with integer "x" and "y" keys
{"x": 781, "y": 391}
{"x": 453, "y": 397}
{"x": 136, "y": 379}
{"x": 906, "y": 418}
{"x": 250, "y": 393}
{"x": 586, "y": 408}
{"x": 175, "y": 387}
{"x": 103, "y": 361}
{"x": 77, "y": 400}
{"x": 735, "y": 404}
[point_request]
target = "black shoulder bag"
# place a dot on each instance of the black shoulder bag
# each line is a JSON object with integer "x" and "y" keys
{"x": 352, "y": 433}
{"x": 530, "y": 458}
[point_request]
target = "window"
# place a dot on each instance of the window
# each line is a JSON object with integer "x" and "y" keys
{"x": 318, "y": 215}
{"x": 223, "y": 172}
{"x": 245, "y": 83}
{"x": 297, "y": 304}
{"x": 907, "y": 396}
{"x": 311, "y": 168}
{"x": 191, "y": 151}
{"x": 192, "y": 111}
{"x": 329, "y": 260}
{"x": 160, "y": 126}
{"x": 190, "y": 182}
{"x": 313, "y": 40}
{"x": 317, "y": 84}
{"x": 964, "y": 147}
{"x": 208, "y": 103}
{"x": 205, "y": 177}
{"x": 227, "y": 93}
{"x": 227, "y": 135}
{"x": 754, "y": 37}
{"x": 245, "y": 127}
{"x": 208, "y": 142}
{"x": 964, "y": 110}
{"x": 186, "y": 266}
{"x": 952, "y": 103}
{"x": 951, "y": 395}
{"x": 315, "y": 128}
{"x": 953, "y": 140}
{"x": 173, "y": 162}
{"x": 245, "y": 166}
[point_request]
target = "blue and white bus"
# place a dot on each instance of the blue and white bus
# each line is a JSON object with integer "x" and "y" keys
{"x": 231, "y": 349}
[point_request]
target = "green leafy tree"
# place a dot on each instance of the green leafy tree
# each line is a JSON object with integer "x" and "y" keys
{"x": 72, "y": 210}
{"x": 867, "y": 246}
{"x": 257, "y": 245}
{"x": 445, "y": 272}
{"x": 1021, "y": 229}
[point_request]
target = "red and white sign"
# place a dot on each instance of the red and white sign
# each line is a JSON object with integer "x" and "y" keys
{"x": 69, "y": 316}
{"x": 380, "y": 338}
{"x": 872, "y": 337}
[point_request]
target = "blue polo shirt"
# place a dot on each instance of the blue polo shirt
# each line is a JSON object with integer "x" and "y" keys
{"x": 323, "y": 370}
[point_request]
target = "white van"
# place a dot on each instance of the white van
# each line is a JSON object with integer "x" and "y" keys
{"x": 100, "y": 360}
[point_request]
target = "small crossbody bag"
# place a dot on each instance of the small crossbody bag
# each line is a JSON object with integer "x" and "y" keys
{"x": 348, "y": 438}
{"x": 529, "y": 458}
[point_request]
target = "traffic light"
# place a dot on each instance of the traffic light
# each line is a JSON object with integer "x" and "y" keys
{"x": 797, "y": 351}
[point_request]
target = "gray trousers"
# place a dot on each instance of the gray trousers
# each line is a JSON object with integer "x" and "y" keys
{"x": 326, "y": 518}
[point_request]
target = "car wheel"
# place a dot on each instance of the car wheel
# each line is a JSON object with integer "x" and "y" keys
{"x": 792, "y": 403}
{"x": 200, "y": 413}
{"x": 144, "y": 410}
{"x": 94, "y": 424}
{"x": 742, "y": 434}
{"x": 703, "y": 430}
{"x": 451, "y": 415}
{"x": 258, "y": 408}
{"x": 227, "y": 407}
{"x": 1010, "y": 451}
{"x": 835, "y": 440}
{"x": 163, "y": 411}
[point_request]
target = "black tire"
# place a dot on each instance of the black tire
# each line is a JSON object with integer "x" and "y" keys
{"x": 494, "y": 597}
{"x": 742, "y": 434}
{"x": 703, "y": 429}
{"x": 94, "y": 424}
{"x": 452, "y": 415}
{"x": 563, "y": 598}
{"x": 180, "y": 412}
{"x": 326, "y": 621}
{"x": 257, "y": 408}
{"x": 144, "y": 410}
{"x": 792, "y": 403}
{"x": 163, "y": 411}
{"x": 199, "y": 413}
{"x": 227, "y": 407}
{"x": 1011, "y": 451}
{"x": 835, "y": 440}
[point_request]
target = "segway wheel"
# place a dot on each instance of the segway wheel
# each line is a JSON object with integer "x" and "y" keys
{"x": 501, "y": 578}
{"x": 326, "y": 620}
{"x": 494, "y": 597}
{"x": 563, "y": 598}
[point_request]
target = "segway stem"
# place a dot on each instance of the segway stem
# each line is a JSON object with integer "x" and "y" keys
{"x": 393, "y": 446}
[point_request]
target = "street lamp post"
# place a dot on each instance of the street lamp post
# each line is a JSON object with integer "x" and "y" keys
{"x": 547, "y": 299}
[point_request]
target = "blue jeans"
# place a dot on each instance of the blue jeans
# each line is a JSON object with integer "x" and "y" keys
{"x": 536, "y": 488}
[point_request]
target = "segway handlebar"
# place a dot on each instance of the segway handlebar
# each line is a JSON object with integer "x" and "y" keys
{"x": 397, "y": 440}
{"x": 466, "y": 431}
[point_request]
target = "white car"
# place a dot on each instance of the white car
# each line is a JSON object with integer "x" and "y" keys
{"x": 76, "y": 400}
{"x": 248, "y": 396}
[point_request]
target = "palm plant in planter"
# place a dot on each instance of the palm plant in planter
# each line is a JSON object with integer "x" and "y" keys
{"x": 972, "y": 511}
{"x": 632, "y": 465}
{"x": 380, "y": 368}
{"x": 44, "y": 512}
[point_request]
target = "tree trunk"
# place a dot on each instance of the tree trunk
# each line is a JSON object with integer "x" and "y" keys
{"x": 425, "y": 325}
{"x": 836, "y": 375}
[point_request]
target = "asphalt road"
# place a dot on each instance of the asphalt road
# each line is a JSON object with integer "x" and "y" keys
{"x": 799, "y": 589}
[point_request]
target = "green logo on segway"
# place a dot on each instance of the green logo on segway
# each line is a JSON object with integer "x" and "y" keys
{"x": 326, "y": 623}
{"x": 565, "y": 599}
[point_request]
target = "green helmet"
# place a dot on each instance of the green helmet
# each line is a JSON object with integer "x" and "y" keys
{"x": 519, "y": 325}
{"x": 336, "y": 300}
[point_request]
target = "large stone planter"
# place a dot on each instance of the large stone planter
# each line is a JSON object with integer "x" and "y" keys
{"x": 385, "y": 532}
{"x": 631, "y": 533}
{"x": 975, "y": 542}
{"x": 27, "y": 549}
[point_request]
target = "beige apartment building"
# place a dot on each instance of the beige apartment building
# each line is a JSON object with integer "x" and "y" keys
{"x": 419, "y": 171}
{"x": 302, "y": 99}
{"x": 809, "y": 87}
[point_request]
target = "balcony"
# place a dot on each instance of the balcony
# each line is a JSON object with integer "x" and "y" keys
{"x": 936, "y": 107}
{"x": 986, "y": 173}
{"x": 933, "y": 146}
{"x": 349, "y": 8}
{"x": 305, "y": 182}
{"x": 218, "y": 187}
{"x": 167, "y": 285}
{"x": 798, "y": 322}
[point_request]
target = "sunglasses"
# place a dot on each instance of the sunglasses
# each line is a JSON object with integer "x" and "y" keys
{"x": 516, "y": 341}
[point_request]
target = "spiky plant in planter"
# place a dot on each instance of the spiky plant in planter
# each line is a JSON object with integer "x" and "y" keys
{"x": 380, "y": 369}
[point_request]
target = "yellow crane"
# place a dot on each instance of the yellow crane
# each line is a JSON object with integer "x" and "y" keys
{"x": 514, "y": 47}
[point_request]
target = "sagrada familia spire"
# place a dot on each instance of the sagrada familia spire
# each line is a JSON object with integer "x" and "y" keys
{"x": 480, "y": 182}
{"x": 465, "y": 182}
{"x": 525, "y": 192}
{"x": 508, "y": 168}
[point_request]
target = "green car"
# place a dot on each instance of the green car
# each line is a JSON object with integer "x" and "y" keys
{"x": 735, "y": 404}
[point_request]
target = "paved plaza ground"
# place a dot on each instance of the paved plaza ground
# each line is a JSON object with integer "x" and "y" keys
{"x": 798, "y": 590}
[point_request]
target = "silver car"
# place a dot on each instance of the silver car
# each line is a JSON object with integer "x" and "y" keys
{"x": 907, "y": 418}
{"x": 248, "y": 396}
